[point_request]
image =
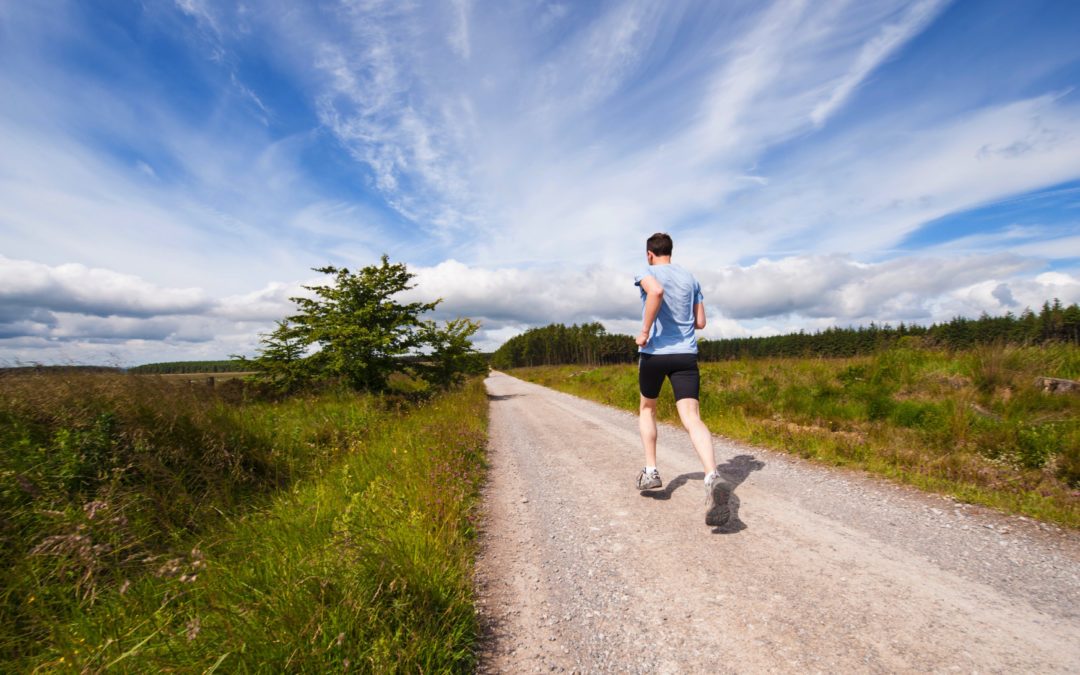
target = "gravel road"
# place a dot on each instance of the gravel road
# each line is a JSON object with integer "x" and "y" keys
{"x": 819, "y": 570}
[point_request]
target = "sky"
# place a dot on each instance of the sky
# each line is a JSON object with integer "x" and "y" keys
{"x": 172, "y": 171}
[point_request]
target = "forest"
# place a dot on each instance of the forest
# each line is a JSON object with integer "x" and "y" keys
{"x": 226, "y": 366}
{"x": 591, "y": 344}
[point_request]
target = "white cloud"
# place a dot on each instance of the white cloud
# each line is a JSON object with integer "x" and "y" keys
{"x": 791, "y": 293}
{"x": 371, "y": 103}
{"x": 764, "y": 298}
{"x": 100, "y": 292}
{"x": 865, "y": 191}
{"x": 198, "y": 10}
{"x": 838, "y": 288}
{"x": 458, "y": 39}
{"x": 268, "y": 304}
{"x": 1031, "y": 241}
{"x": 891, "y": 37}
{"x": 525, "y": 296}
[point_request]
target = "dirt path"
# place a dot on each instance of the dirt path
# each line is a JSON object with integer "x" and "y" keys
{"x": 818, "y": 570}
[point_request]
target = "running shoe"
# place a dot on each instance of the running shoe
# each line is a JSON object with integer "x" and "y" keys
{"x": 717, "y": 498}
{"x": 648, "y": 480}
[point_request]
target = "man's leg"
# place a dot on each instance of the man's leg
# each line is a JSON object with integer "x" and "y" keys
{"x": 690, "y": 414}
{"x": 647, "y": 426}
{"x": 717, "y": 488}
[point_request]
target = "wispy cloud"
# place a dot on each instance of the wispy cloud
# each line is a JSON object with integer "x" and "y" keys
{"x": 891, "y": 37}
{"x": 458, "y": 39}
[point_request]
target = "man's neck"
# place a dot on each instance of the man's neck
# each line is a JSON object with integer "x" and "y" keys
{"x": 661, "y": 260}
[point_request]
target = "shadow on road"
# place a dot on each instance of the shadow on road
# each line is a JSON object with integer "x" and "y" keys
{"x": 502, "y": 397}
{"x": 736, "y": 470}
{"x": 674, "y": 485}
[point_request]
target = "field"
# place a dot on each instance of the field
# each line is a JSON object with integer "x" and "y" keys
{"x": 974, "y": 424}
{"x": 202, "y": 378}
{"x": 147, "y": 527}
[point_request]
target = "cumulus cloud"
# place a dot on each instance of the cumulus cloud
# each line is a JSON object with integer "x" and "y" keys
{"x": 269, "y": 303}
{"x": 767, "y": 297}
{"x": 48, "y": 312}
{"x": 77, "y": 288}
{"x": 529, "y": 296}
{"x": 810, "y": 291}
{"x": 837, "y": 286}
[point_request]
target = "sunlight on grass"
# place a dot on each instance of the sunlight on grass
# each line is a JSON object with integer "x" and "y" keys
{"x": 333, "y": 531}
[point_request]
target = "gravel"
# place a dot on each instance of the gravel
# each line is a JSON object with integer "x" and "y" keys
{"x": 818, "y": 570}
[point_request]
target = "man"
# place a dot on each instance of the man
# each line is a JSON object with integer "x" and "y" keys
{"x": 672, "y": 307}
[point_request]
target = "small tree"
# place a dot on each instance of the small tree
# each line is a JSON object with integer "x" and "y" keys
{"x": 452, "y": 355}
{"x": 361, "y": 334}
{"x": 281, "y": 360}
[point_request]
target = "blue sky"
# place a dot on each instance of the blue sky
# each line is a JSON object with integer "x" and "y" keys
{"x": 170, "y": 172}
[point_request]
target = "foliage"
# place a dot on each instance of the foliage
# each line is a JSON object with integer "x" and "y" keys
{"x": 150, "y": 526}
{"x": 1054, "y": 323}
{"x": 452, "y": 357}
{"x": 229, "y": 366}
{"x": 586, "y": 344}
{"x": 281, "y": 360}
{"x": 590, "y": 345}
{"x": 973, "y": 424}
{"x": 354, "y": 330}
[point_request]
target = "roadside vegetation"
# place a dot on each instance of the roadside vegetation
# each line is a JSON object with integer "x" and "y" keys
{"x": 974, "y": 424}
{"x": 150, "y": 526}
{"x": 317, "y": 517}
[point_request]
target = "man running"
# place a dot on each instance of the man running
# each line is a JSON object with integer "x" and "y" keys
{"x": 672, "y": 307}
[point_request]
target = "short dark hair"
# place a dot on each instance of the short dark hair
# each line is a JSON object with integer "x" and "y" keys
{"x": 659, "y": 244}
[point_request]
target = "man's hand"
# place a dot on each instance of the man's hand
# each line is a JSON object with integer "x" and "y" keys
{"x": 642, "y": 338}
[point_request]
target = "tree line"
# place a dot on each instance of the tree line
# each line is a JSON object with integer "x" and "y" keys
{"x": 590, "y": 344}
{"x": 225, "y": 366}
{"x": 557, "y": 343}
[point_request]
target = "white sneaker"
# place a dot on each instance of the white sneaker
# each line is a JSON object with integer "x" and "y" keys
{"x": 717, "y": 497}
{"x": 648, "y": 480}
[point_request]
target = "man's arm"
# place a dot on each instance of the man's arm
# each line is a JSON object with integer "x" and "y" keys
{"x": 654, "y": 295}
{"x": 699, "y": 315}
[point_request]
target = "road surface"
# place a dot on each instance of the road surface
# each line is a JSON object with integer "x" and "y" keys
{"x": 819, "y": 570}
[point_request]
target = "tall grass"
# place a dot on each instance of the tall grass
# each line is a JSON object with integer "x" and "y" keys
{"x": 971, "y": 424}
{"x": 152, "y": 526}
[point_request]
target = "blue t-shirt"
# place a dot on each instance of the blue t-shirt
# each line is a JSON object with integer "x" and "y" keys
{"x": 673, "y": 330}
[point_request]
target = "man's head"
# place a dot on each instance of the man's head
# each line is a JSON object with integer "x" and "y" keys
{"x": 658, "y": 246}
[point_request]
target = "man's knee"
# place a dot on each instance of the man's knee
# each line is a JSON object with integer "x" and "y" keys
{"x": 648, "y": 404}
{"x": 689, "y": 410}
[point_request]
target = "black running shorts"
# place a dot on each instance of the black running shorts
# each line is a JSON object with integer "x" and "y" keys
{"x": 681, "y": 369}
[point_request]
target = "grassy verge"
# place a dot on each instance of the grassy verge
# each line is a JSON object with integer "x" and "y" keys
{"x": 150, "y": 527}
{"x": 972, "y": 425}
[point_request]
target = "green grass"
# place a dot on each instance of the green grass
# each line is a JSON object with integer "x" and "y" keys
{"x": 151, "y": 527}
{"x": 972, "y": 425}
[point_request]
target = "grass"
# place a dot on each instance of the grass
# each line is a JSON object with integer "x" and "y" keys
{"x": 973, "y": 425}
{"x": 151, "y": 527}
